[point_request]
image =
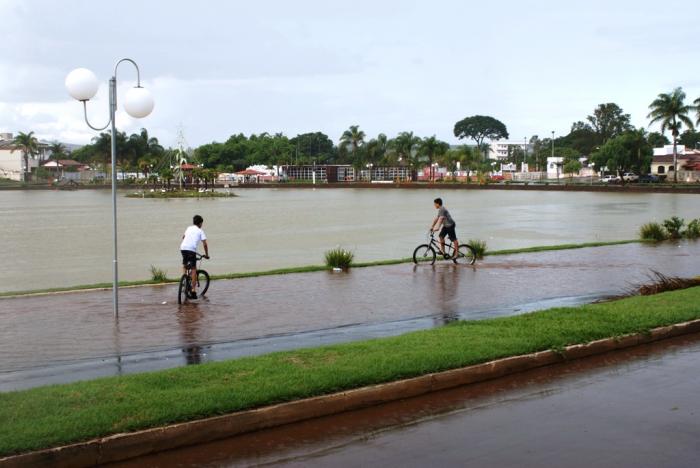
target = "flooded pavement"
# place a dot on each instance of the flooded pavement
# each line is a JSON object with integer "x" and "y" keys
{"x": 65, "y": 337}
{"x": 636, "y": 407}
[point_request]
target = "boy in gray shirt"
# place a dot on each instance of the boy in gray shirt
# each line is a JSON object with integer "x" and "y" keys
{"x": 448, "y": 226}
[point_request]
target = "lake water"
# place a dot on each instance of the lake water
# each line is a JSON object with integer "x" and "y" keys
{"x": 63, "y": 238}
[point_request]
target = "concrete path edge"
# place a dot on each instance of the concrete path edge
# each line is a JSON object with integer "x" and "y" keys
{"x": 124, "y": 446}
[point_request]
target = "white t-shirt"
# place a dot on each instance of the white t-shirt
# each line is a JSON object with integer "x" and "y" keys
{"x": 193, "y": 235}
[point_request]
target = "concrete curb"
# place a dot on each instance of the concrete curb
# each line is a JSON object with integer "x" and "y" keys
{"x": 134, "y": 444}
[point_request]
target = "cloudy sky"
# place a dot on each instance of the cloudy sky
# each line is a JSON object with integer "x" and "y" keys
{"x": 223, "y": 67}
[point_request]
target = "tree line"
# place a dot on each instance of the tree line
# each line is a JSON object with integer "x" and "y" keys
{"x": 606, "y": 137}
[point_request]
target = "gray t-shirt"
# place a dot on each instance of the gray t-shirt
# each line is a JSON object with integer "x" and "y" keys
{"x": 448, "y": 221}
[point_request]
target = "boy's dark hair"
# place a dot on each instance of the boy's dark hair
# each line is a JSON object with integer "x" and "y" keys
{"x": 197, "y": 220}
{"x": 438, "y": 201}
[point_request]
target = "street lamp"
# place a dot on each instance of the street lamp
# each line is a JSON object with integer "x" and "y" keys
{"x": 82, "y": 85}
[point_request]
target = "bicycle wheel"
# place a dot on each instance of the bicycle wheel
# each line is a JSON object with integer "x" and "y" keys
{"x": 202, "y": 282}
{"x": 183, "y": 289}
{"x": 424, "y": 253}
{"x": 466, "y": 255}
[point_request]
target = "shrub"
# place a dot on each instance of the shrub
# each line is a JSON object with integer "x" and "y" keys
{"x": 693, "y": 230}
{"x": 673, "y": 226}
{"x": 339, "y": 258}
{"x": 157, "y": 274}
{"x": 479, "y": 246}
{"x": 653, "y": 232}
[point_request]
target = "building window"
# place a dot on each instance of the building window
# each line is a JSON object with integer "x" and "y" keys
{"x": 660, "y": 170}
{"x": 670, "y": 168}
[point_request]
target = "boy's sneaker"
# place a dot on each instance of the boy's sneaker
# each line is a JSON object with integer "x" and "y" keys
{"x": 193, "y": 295}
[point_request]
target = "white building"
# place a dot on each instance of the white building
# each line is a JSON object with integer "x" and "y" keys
{"x": 668, "y": 149}
{"x": 554, "y": 167}
{"x": 499, "y": 149}
{"x": 12, "y": 161}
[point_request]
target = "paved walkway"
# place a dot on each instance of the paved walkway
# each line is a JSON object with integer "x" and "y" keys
{"x": 63, "y": 337}
{"x": 637, "y": 407}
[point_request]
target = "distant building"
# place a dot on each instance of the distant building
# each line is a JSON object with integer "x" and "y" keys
{"x": 345, "y": 173}
{"x": 554, "y": 167}
{"x": 12, "y": 160}
{"x": 500, "y": 149}
{"x": 662, "y": 162}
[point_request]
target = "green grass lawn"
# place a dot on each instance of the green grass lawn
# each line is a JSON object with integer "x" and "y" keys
{"x": 55, "y": 415}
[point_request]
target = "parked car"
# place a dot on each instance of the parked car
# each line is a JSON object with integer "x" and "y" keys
{"x": 497, "y": 178}
{"x": 649, "y": 179}
{"x": 630, "y": 177}
{"x": 610, "y": 179}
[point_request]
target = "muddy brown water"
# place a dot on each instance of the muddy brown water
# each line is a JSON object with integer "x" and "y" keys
{"x": 64, "y": 238}
{"x": 65, "y": 337}
{"x": 637, "y": 407}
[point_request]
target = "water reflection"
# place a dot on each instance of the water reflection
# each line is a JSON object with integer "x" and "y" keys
{"x": 189, "y": 320}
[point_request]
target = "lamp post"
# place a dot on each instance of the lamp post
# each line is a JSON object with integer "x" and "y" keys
{"x": 82, "y": 85}
{"x": 555, "y": 162}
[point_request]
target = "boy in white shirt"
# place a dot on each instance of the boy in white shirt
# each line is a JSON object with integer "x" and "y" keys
{"x": 188, "y": 247}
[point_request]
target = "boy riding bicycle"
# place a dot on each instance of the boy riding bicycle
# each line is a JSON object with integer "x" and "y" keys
{"x": 448, "y": 227}
{"x": 188, "y": 247}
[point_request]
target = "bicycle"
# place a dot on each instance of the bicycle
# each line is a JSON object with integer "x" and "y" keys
{"x": 183, "y": 292}
{"x": 427, "y": 253}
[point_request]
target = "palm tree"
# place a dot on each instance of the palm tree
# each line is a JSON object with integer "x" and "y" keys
{"x": 672, "y": 112}
{"x": 29, "y": 145}
{"x": 376, "y": 150}
{"x": 432, "y": 148}
{"x": 58, "y": 150}
{"x": 354, "y": 138}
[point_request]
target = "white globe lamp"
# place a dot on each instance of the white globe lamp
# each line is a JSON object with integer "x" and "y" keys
{"x": 138, "y": 102}
{"x": 82, "y": 84}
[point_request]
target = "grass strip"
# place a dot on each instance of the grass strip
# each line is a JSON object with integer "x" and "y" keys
{"x": 305, "y": 269}
{"x": 60, "y": 414}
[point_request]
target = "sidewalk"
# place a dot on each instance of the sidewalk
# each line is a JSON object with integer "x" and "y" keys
{"x": 64, "y": 337}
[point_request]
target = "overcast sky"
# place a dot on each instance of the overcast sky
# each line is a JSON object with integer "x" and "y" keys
{"x": 223, "y": 67}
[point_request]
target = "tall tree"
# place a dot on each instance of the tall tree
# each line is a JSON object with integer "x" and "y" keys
{"x": 315, "y": 146}
{"x": 690, "y": 138}
{"x": 58, "y": 150}
{"x": 377, "y": 149}
{"x": 353, "y": 138}
{"x": 29, "y": 146}
{"x": 403, "y": 147}
{"x": 432, "y": 148}
{"x": 480, "y": 128}
{"x": 608, "y": 121}
{"x": 627, "y": 152}
{"x": 657, "y": 140}
{"x": 671, "y": 111}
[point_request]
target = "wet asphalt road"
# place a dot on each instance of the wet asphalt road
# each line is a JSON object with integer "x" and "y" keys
{"x": 631, "y": 408}
{"x": 64, "y": 337}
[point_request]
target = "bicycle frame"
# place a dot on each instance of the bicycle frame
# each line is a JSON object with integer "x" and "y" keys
{"x": 435, "y": 244}
{"x": 197, "y": 263}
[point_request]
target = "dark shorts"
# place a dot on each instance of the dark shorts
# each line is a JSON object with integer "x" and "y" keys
{"x": 189, "y": 258}
{"x": 448, "y": 231}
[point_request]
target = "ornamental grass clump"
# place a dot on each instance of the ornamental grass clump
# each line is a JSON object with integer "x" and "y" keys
{"x": 673, "y": 226}
{"x": 339, "y": 258}
{"x": 693, "y": 230}
{"x": 653, "y": 232}
{"x": 479, "y": 247}
{"x": 157, "y": 274}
